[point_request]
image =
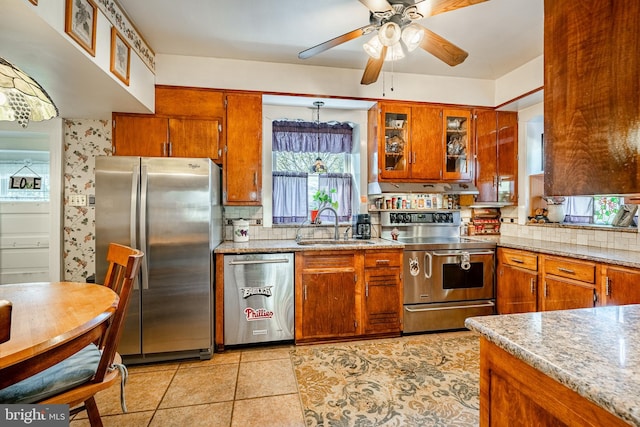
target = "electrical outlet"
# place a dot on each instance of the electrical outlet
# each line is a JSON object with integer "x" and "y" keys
{"x": 78, "y": 200}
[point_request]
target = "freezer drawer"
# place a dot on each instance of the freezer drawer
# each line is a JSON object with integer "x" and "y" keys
{"x": 443, "y": 316}
{"x": 258, "y": 298}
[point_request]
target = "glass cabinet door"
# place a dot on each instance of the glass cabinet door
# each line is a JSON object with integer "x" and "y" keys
{"x": 457, "y": 125}
{"x": 395, "y": 145}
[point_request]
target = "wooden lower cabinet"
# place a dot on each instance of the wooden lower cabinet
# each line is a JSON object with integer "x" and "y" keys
{"x": 512, "y": 393}
{"x": 338, "y": 298}
{"x": 564, "y": 294}
{"x": 620, "y": 286}
{"x": 516, "y": 290}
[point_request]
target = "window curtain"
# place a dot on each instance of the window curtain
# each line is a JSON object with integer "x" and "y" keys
{"x": 289, "y": 197}
{"x": 310, "y": 137}
{"x": 579, "y": 209}
{"x": 342, "y": 182}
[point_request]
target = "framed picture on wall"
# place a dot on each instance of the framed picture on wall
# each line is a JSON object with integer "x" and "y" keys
{"x": 120, "y": 56}
{"x": 80, "y": 23}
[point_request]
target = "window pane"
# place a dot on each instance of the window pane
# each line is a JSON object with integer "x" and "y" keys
{"x": 9, "y": 168}
{"x": 605, "y": 209}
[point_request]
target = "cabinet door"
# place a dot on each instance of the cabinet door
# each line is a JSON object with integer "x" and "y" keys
{"x": 328, "y": 305}
{"x": 426, "y": 143}
{"x": 394, "y": 148}
{"x": 194, "y": 138}
{"x": 516, "y": 290}
{"x": 243, "y": 159}
{"x": 140, "y": 136}
{"x": 486, "y": 156}
{"x": 507, "y": 138}
{"x": 565, "y": 294}
{"x": 621, "y": 286}
{"x": 382, "y": 300}
{"x": 457, "y": 155}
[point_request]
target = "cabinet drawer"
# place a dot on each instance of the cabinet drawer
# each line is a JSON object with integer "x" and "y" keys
{"x": 583, "y": 271}
{"x": 382, "y": 259}
{"x": 520, "y": 259}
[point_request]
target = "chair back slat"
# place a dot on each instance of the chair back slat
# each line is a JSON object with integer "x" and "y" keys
{"x": 5, "y": 320}
{"x": 124, "y": 264}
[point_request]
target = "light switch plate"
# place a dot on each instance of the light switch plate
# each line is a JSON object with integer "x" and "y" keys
{"x": 78, "y": 200}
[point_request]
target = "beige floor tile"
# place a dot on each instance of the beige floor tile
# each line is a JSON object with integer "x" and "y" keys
{"x": 273, "y": 411}
{"x": 266, "y": 354}
{"x": 133, "y": 419}
{"x": 265, "y": 378}
{"x": 194, "y": 386}
{"x": 209, "y": 415}
{"x": 143, "y": 392}
{"x": 217, "y": 359}
{"x": 172, "y": 366}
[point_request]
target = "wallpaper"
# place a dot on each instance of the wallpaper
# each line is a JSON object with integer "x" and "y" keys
{"x": 83, "y": 141}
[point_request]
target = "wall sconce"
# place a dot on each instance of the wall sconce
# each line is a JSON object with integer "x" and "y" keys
{"x": 22, "y": 98}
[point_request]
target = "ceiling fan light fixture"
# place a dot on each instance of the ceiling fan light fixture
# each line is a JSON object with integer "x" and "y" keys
{"x": 412, "y": 35}
{"x": 373, "y": 47}
{"x": 395, "y": 52}
{"x": 389, "y": 34}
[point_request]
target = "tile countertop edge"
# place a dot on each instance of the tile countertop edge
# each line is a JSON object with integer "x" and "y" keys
{"x": 275, "y": 246}
{"x": 590, "y": 253}
{"x": 595, "y": 382}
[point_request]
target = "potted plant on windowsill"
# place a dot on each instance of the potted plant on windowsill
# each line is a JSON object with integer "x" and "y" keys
{"x": 323, "y": 198}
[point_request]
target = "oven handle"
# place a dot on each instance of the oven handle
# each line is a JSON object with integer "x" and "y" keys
{"x": 430, "y": 263}
{"x": 471, "y": 253}
{"x": 487, "y": 304}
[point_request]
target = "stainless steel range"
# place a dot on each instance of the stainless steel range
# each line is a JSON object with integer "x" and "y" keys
{"x": 447, "y": 278}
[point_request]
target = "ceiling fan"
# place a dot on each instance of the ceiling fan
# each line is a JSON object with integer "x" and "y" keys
{"x": 394, "y": 20}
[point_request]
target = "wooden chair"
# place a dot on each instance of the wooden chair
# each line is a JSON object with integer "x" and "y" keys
{"x": 76, "y": 380}
{"x": 5, "y": 320}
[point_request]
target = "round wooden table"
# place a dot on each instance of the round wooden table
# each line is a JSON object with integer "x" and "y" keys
{"x": 50, "y": 322}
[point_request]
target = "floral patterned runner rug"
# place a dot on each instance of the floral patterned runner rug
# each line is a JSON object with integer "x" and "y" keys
{"x": 418, "y": 380}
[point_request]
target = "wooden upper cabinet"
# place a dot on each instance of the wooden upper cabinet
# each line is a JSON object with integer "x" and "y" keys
{"x": 178, "y": 101}
{"x": 457, "y": 144}
{"x": 394, "y": 142}
{"x": 139, "y": 135}
{"x": 496, "y": 166}
{"x": 426, "y": 142}
{"x": 195, "y": 138}
{"x": 591, "y": 102}
{"x": 243, "y": 152}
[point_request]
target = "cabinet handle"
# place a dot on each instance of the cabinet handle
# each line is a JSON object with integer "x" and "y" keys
{"x": 566, "y": 270}
{"x": 545, "y": 290}
{"x": 533, "y": 285}
{"x": 255, "y": 179}
{"x": 366, "y": 290}
{"x": 517, "y": 260}
{"x": 355, "y": 278}
{"x": 305, "y": 292}
{"x": 607, "y": 286}
{"x": 383, "y": 261}
{"x": 415, "y": 158}
{"x": 170, "y": 149}
{"x": 164, "y": 149}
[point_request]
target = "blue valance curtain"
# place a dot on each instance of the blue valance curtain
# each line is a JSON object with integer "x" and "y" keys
{"x": 309, "y": 137}
{"x": 290, "y": 202}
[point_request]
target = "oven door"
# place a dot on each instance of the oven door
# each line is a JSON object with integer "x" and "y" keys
{"x": 417, "y": 278}
{"x": 462, "y": 275}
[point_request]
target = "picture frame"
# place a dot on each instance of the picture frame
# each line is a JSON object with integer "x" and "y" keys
{"x": 120, "y": 56}
{"x": 80, "y": 23}
{"x": 34, "y": 2}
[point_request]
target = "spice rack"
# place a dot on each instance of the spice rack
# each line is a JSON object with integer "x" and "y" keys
{"x": 485, "y": 221}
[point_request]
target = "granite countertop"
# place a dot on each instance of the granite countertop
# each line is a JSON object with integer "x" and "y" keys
{"x": 275, "y": 246}
{"x": 593, "y": 351}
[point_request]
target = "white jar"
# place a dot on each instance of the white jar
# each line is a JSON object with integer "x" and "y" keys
{"x": 555, "y": 213}
{"x": 240, "y": 230}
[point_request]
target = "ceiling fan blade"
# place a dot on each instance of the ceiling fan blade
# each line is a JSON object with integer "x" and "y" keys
{"x": 435, "y": 7}
{"x": 372, "y": 70}
{"x": 377, "y": 5}
{"x": 308, "y": 53}
{"x": 442, "y": 49}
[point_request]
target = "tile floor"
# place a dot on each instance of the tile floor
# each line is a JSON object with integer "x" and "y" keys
{"x": 251, "y": 387}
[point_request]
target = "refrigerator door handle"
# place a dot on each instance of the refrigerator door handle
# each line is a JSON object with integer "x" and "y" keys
{"x": 143, "y": 227}
{"x": 133, "y": 220}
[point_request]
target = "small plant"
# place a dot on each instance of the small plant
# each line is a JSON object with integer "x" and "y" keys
{"x": 322, "y": 199}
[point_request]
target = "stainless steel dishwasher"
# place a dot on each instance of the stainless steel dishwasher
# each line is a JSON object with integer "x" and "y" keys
{"x": 258, "y": 298}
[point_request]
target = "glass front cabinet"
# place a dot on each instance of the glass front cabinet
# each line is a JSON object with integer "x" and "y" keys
{"x": 457, "y": 135}
{"x": 395, "y": 149}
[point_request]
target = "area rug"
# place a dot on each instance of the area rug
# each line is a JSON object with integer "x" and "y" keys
{"x": 420, "y": 380}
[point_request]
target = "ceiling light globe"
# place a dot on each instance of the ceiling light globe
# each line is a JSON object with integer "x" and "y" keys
{"x": 395, "y": 52}
{"x": 412, "y": 35}
{"x": 389, "y": 34}
{"x": 373, "y": 48}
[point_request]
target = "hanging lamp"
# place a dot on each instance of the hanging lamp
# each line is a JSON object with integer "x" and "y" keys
{"x": 318, "y": 165}
{"x": 22, "y": 98}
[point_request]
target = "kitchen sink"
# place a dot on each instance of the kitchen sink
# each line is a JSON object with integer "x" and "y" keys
{"x": 314, "y": 242}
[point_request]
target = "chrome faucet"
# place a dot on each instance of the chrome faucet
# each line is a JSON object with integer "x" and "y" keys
{"x": 336, "y": 234}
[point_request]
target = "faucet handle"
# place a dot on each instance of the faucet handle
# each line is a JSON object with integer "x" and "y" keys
{"x": 346, "y": 233}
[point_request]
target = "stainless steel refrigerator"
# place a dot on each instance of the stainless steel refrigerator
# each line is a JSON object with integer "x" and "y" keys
{"x": 169, "y": 208}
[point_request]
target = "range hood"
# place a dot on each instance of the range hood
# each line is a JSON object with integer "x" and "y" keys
{"x": 378, "y": 188}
